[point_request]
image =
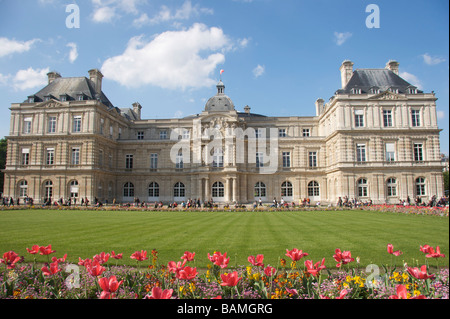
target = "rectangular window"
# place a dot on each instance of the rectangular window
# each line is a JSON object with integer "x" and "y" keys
{"x": 140, "y": 135}
{"x": 306, "y": 132}
{"x": 25, "y": 156}
{"x": 100, "y": 158}
{"x": 102, "y": 125}
{"x": 282, "y": 132}
{"x": 418, "y": 152}
{"x": 75, "y": 156}
{"x": 359, "y": 118}
{"x": 259, "y": 159}
{"x": 50, "y": 156}
{"x": 27, "y": 125}
{"x": 76, "y": 124}
{"x": 186, "y": 134}
{"x": 390, "y": 152}
{"x": 129, "y": 161}
{"x": 153, "y": 161}
{"x": 360, "y": 152}
{"x": 286, "y": 159}
{"x": 163, "y": 135}
{"x": 312, "y": 159}
{"x": 415, "y": 118}
{"x": 387, "y": 118}
{"x": 179, "y": 161}
{"x": 52, "y": 124}
{"x": 258, "y": 133}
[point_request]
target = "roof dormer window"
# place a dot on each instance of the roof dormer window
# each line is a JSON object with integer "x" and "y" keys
{"x": 374, "y": 90}
{"x": 393, "y": 90}
{"x": 412, "y": 90}
{"x": 356, "y": 91}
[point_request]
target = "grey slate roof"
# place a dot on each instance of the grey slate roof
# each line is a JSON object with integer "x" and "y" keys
{"x": 383, "y": 79}
{"x": 72, "y": 87}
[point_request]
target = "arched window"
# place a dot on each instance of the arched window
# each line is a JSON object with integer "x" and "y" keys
{"x": 74, "y": 189}
{"x": 179, "y": 190}
{"x": 420, "y": 186}
{"x": 23, "y": 188}
{"x": 153, "y": 189}
{"x": 218, "y": 190}
{"x": 128, "y": 190}
{"x": 391, "y": 187}
{"x": 313, "y": 189}
{"x": 362, "y": 187}
{"x": 260, "y": 189}
{"x": 48, "y": 189}
{"x": 286, "y": 189}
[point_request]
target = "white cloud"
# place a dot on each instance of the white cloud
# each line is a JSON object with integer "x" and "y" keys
{"x": 29, "y": 78}
{"x": 341, "y": 37}
{"x": 104, "y": 14}
{"x": 8, "y": 46}
{"x": 73, "y": 54}
{"x": 411, "y": 78}
{"x": 259, "y": 70}
{"x": 173, "y": 59}
{"x": 440, "y": 115}
{"x": 432, "y": 60}
{"x": 185, "y": 12}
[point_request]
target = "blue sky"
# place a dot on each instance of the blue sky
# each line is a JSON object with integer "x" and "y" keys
{"x": 279, "y": 56}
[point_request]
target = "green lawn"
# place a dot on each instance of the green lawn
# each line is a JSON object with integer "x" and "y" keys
{"x": 240, "y": 234}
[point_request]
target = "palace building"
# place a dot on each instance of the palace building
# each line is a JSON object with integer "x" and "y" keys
{"x": 375, "y": 139}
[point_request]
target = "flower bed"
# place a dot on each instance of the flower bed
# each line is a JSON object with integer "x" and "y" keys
{"x": 295, "y": 277}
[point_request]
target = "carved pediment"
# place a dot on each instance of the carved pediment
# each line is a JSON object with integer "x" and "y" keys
{"x": 387, "y": 95}
{"x": 51, "y": 104}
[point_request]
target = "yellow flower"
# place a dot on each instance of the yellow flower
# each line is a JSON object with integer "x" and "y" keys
{"x": 348, "y": 279}
{"x": 405, "y": 276}
{"x": 249, "y": 271}
{"x": 416, "y": 293}
{"x": 256, "y": 276}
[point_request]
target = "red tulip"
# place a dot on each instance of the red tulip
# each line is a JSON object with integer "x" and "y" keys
{"x": 188, "y": 256}
{"x": 85, "y": 262}
{"x": 295, "y": 254}
{"x": 342, "y": 258}
{"x": 258, "y": 261}
{"x": 187, "y": 273}
{"x": 34, "y": 249}
{"x": 230, "y": 280}
{"x": 402, "y": 293}
{"x": 175, "y": 267}
{"x": 118, "y": 256}
{"x": 219, "y": 259}
{"x": 342, "y": 294}
{"x": 59, "y": 260}
{"x": 10, "y": 259}
{"x": 270, "y": 271}
{"x": 52, "y": 270}
{"x": 101, "y": 258}
{"x": 94, "y": 268}
{"x": 139, "y": 255}
{"x": 158, "y": 293}
{"x": 46, "y": 250}
{"x": 314, "y": 270}
{"x": 109, "y": 286}
{"x": 434, "y": 254}
{"x": 420, "y": 273}
{"x": 390, "y": 250}
{"x": 424, "y": 248}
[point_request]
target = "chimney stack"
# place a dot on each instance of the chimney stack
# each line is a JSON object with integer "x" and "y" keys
{"x": 319, "y": 106}
{"x": 137, "y": 110}
{"x": 96, "y": 77}
{"x": 52, "y": 76}
{"x": 346, "y": 72}
{"x": 393, "y": 66}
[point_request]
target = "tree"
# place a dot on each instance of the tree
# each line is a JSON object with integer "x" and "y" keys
{"x": 446, "y": 182}
{"x": 3, "y": 147}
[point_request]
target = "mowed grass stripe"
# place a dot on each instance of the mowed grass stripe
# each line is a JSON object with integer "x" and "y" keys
{"x": 240, "y": 234}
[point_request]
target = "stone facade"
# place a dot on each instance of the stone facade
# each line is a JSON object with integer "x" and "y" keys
{"x": 375, "y": 139}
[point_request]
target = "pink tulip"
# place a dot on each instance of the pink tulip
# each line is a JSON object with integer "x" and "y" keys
{"x": 390, "y": 250}
{"x": 316, "y": 268}
{"x": 402, "y": 293}
{"x": 118, "y": 256}
{"x": 219, "y": 260}
{"x": 434, "y": 254}
{"x": 420, "y": 273}
{"x": 102, "y": 257}
{"x": 46, "y": 250}
{"x": 94, "y": 268}
{"x": 295, "y": 254}
{"x": 158, "y": 293}
{"x": 34, "y": 249}
{"x": 270, "y": 271}
{"x": 258, "y": 261}
{"x": 175, "y": 267}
